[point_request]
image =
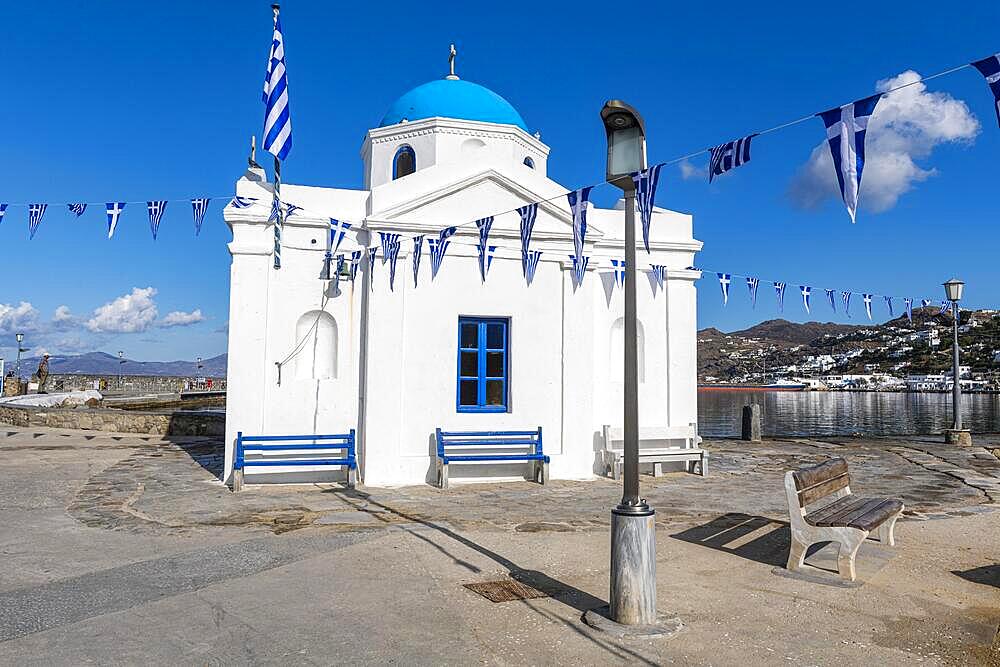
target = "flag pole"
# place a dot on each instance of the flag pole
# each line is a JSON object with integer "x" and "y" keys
{"x": 279, "y": 213}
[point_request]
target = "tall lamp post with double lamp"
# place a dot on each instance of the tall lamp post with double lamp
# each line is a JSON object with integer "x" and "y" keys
{"x": 121, "y": 361}
{"x": 17, "y": 364}
{"x": 633, "y": 531}
{"x": 956, "y": 435}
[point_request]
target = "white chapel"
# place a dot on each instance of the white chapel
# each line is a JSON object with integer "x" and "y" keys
{"x": 309, "y": 355}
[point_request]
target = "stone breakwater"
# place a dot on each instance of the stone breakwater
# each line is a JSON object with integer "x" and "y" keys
{"x": 116, "y": 421}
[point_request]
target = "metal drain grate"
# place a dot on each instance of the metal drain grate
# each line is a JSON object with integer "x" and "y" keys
{"x": 505, "y": 590}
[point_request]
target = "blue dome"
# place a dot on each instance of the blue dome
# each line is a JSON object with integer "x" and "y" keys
{"x": 453, "y": 98}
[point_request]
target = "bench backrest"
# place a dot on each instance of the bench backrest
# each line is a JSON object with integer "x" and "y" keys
{"x": 313, "y": 444}
{"x": 817, "y": 482}
{"x": 614, "y": 437}
{"x": 531, "y": 440}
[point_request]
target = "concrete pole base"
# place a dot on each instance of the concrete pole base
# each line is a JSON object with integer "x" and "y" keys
{"x": 663, "y": 626}
{"x": 633, "y": 568}
{"x": 751, "y": 423}
{"x": 960, "y": 437}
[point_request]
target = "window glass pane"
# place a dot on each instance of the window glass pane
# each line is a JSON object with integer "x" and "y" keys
{"x": 468, "y": 392}
{"x": 469, "y": 335}
{"x": 494, "y": 364}
{"x": 494, "y": 336}
{"x": 494, "y": 392}
{"x": 470, "y": 364}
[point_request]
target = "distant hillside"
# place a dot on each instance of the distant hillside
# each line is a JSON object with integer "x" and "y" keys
{"x": 101, "y": 363}
{"x": 783, "y": 331}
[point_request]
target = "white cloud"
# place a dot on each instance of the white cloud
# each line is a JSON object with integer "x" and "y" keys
{"x": 181, "y": 319}
{"x": 18, "y": 319}
{"x": 130, "y": 313}
{"x": 62, "y": 314}
{"x": 907, "y": 125}
{"x": 689, "y": 171}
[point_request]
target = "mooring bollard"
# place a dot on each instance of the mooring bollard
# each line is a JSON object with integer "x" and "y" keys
{"x": 751, "y": 423}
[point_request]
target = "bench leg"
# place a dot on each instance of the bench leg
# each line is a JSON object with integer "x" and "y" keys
{"x": 657, "y": 469}
{"x": 544, "y": 469}
{"x": 796, "y": 554}
{"x": 703, "y": 465}
{"x": 237, "y": 481}
{"x": 885, "y": 531}
{"x": 850, "y": 541}
{"x": 352, "y": 478}
{"x": 443, "y": 476}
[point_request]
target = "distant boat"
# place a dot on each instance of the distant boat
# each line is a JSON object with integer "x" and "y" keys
{"x": 778, "y": 385}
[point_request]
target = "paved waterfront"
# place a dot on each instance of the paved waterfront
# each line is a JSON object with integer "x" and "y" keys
{"x": 127, "y": 549}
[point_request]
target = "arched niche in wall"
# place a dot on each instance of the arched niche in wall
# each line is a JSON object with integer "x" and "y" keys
{"x": 617, "y": 351}
{"x": 471, "y": 147}
{"x": 316, "y": 333}
{"x": 404, "y": 163}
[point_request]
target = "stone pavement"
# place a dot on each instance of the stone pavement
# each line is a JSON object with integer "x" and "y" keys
{"x": 121, "y": 549}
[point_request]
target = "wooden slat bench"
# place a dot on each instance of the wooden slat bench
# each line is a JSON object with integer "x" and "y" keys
{"x": 823, "y": 509}
{"x": 689, "y": 452}
{"x": 491, "y": 447}
{"x": 317, "y": 451}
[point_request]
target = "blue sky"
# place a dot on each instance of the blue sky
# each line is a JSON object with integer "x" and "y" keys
{"x": 135, "y": 101}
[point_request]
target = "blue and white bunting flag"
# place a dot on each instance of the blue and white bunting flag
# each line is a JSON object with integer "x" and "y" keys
{"x": 924, "y": 303}
{"x": 806, "y": 292}
{"x": 276, "y": 209}
{"x": 533, "y": 257}
{"x": 846, "y": 298}
{"x": 908, "y": 307}
{"x": 830, "y": 297}
{"x": 77, "y": 209}
{"x": 291, "y": 209}
{"x": 277, "y": 121}
{"x": 659, "y": 274}
{"x": 355, "y": 263}
{"x": 156, "y": 209}
{"x": 752, "y": 285}
{"x": 393, "y": 252}
{"x": 35, "y": 214}
{"x": 418, "y": 246}
{"x": 619, "y": 271}
{"x": 340, "y": 269}
{"x": 578, "y": 200}
{"x": 485, "y": 256}
{"x": 198, "y": 208}
{"x": 645, "y": 196}
{"x": 337, "y": 230}
{"x": 528, "y": 214}
{"x": 846, "y": 127}
{"x": 439, "y": 247}
{"x": 724, "y": 282}
{"x": 867, "y": 298}
{"x": 242, "y": 202}
{"x": 579, "y": 268}
{"x": 779, "y": 291}
{"x": 371, "y": 266}
{"x": 728, "y": 156}
{"x": 3, "y": 211}
{"x": 115, "y": 209}
{"x": 888, "y": 304}
{"x": 990, "y": 68}
{"x": 945, "y": 307}
{"x": 387, "y": 240}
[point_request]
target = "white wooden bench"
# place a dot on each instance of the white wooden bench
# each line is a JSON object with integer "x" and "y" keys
{"x": 655, "y": 446}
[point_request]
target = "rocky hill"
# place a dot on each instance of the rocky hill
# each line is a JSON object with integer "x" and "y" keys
{"x": 102, "y": 363}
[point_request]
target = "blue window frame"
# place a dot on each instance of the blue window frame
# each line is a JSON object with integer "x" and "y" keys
{"x": 404, "y": 163}
{"x": 483, "y": 364}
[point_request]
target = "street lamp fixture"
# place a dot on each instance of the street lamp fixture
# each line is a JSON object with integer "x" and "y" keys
{"x": 953, "y": 290}
{"x": 17, "y": 364}
{"x": 121, "y": 360}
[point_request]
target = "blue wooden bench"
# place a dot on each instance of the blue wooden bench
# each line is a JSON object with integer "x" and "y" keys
{"x": 491, "y": 446}
{"x": 310, "y": 444}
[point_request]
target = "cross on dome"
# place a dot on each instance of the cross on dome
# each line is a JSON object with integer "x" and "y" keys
{"x": 451, "y": 64}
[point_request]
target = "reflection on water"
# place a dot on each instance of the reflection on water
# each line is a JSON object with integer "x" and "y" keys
{"x": 809, "y": 413}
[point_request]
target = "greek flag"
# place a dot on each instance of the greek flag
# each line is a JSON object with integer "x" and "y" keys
{"x": 806, "y": 291}
{"x": 291, "y": 209}
{"x": 846, "y": 296}
{"x": 619, "y": 271}
{"x": 578, "y": 205}
{"x": 275, "y": 215}
{"x": 277, "y": 122}
{"x": 78, "y": 209}
{"x": 830, "y": 298}
{"x": 724, "y": 281}
{"x": 752, "y": 284}
{"x": 485, "y": 254}
{"x": 945, "y": 307}
{"x": 156, "y": 209}
{"x": 393, "y": 252}
{"x": 439, "y": 247}
{"x": 533, "y": 257}
{"x": 867, "y": 298}
{"x": 990, "y": 68}
{"x": 846, "y": 127}
{"x": 35, "y": 213}
{"x": 242, "y": 202}
{"x": 888, "y": 304}
{"x": 340, "y": 268}
{"x": 387, "y": 241}
{"x": 337, "y": 230}
{"x": 924, "y": 303}
{"x": 355, "y": 262}
{"x": 645, "y": 194}
{"x": 728, "y": 156}
{"x": 908, "y": 306}
{"x": 114, "y": 210}
{"x": 579, "y": 268}
{"x": 371, "y": 266}
{"x": 418, "y": 246}
{"x": 3, "y": 210}
{"x": 199, "y": 207}
{"x": 779, "y": 291}
{"x": 659, "y": 273}
{"x": 528, "y": 214}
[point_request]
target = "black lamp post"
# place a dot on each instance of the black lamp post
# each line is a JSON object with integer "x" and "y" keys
{"x": 121, "y": 360}
{"x": 953, "y": 290}
{"x": 17, "y": 364}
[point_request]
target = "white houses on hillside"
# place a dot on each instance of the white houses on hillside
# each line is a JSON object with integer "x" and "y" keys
{"x": 307, "y": 355}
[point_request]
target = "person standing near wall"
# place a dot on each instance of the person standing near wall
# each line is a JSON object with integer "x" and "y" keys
{"x": 43, "y": 373}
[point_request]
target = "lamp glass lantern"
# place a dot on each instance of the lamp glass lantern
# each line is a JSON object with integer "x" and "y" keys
{"x": 953, "y": 289}
{"x": 626, "y": 142}
{"x": 19, "y": 337}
